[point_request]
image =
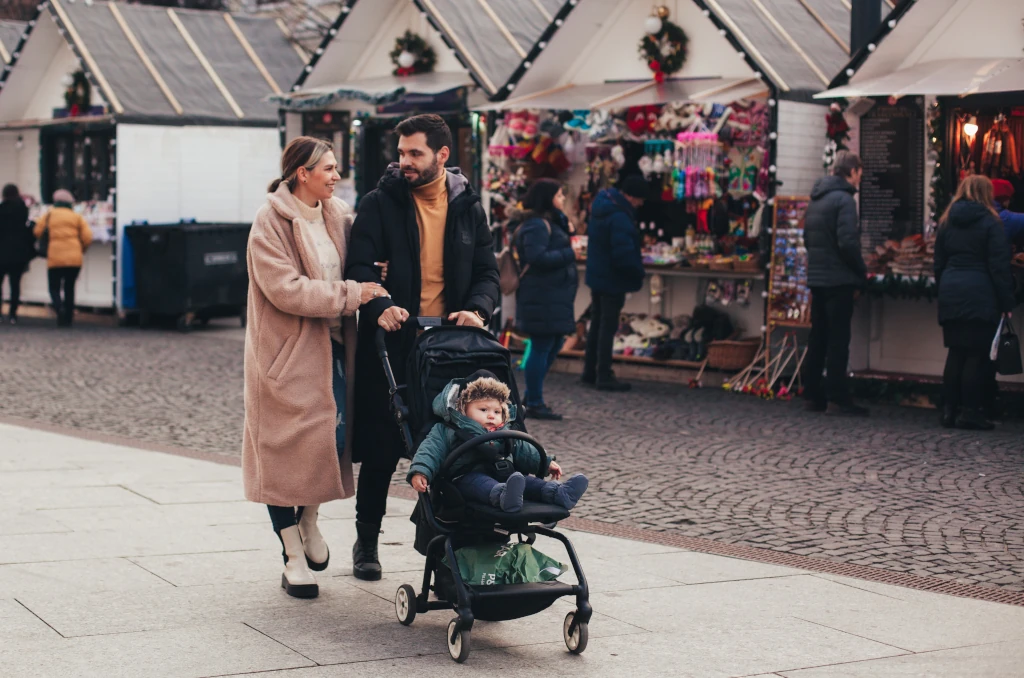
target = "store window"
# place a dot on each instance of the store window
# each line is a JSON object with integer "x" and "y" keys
{"x": 332, "y": 127}
{"x": 79, "y": 161}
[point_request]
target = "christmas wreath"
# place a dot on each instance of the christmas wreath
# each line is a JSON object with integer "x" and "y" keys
{"x": 664, "y": 46}
{"x": 412, "y": 55}
{"x": 78, "y": 95}
{"x": 838, "y": 133}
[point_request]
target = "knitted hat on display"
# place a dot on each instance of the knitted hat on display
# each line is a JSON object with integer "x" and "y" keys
{"x": 484, "y": 388}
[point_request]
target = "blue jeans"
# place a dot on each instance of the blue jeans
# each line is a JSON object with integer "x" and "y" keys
{"x": 338, "y": 385}
{"x": 544, "y": 350}
{"x": 477, "y": 487}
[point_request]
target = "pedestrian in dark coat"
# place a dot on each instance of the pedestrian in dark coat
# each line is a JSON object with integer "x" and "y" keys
{"x": 427, "y": 224}
{"x": 615, "y": 267}
{"x": 835, "y": 275}
{"x": 16, "y": 245}
{"x": 546, "y": 298}
{"x": 972, "y": 267}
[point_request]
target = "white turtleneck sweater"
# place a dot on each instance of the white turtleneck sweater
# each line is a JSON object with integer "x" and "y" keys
{"x": 320, "y": 246}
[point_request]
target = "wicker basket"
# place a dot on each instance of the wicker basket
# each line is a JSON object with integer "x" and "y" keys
{"x": 751, "y": 265}
{"x": 732, "y": 354}
{"x": 721, "y": 266}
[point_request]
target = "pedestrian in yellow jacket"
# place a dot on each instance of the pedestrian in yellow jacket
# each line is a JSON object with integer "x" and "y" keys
{"x": 69, "y": 237}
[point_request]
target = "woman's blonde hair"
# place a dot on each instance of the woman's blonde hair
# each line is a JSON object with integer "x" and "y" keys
{"x": 300, "y": 152}
{"x": 975, "y": 188}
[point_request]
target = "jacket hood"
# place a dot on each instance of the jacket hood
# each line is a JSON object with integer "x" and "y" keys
{"x": 609, "y": 201}
{"x": 396, "y": 185}
{"x": 826, "y": 185}
{"x": 283, "y": 203}
{"x": 967, "y": 213}
{"x": 446, "y": 407}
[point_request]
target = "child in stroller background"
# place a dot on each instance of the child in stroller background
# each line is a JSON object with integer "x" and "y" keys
{"x": 509, "y": 471}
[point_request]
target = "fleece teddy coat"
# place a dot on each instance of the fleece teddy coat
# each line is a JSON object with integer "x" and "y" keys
{"x": 289, "y": 454}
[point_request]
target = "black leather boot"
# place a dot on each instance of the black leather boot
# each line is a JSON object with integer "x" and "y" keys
{"x": 365, "y": 564}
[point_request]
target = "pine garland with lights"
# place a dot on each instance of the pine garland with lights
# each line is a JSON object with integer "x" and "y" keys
{"x": 939, "y": 199}
{"x": 838, "y": 133}
{"x": 412, "y": 44}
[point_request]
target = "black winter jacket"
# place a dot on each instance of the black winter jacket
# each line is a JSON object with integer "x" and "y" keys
{"x": 615, "y": 263}
{"x": 972, "y": 266}
{"x": 385, "y": 229}
{"x": 832, "y": 235}
{"x": 546, "y": 298}
{"x": 16, "y": 240}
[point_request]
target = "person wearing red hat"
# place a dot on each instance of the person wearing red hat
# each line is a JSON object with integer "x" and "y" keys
{"x": 1013, "y": 222}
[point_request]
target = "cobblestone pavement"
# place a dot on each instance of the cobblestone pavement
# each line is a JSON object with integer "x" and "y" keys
{"x": 894, "y": 491}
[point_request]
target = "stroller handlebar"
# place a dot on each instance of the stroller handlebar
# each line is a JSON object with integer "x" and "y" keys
{"x": 421, "y": 321}
{"x": 469, "y": 445}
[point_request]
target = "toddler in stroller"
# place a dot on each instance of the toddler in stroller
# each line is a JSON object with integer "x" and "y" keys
{"x": 504, "y": 473}
{"x": 455, "y": 508}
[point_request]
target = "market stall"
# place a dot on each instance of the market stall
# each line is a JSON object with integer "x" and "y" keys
{"x": 148, "y": 115}
{"x": 701, "y": 114}
{"x": 925, "y": 109}
{"x": 383, "y": 60}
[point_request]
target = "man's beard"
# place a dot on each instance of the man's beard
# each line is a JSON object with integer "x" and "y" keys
{"x": 426, "y": 176}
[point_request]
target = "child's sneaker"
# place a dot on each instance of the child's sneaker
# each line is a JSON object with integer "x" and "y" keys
{"x": 508, "y": 496}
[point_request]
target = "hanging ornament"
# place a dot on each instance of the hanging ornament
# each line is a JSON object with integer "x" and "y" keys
{"x": 663, "y": 49}
{"x": 412, "y": 54}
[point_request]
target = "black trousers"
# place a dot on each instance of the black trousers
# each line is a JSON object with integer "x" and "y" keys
{"x": 829, "y": 344}
{"x": 283, "y": 517}
{"x": 62, "y": 291}
{"x": 966, "y": 381}
{"x": 373, "y": 484}
{"x": 13, "y": 275}
{"x": 604, "y": 321}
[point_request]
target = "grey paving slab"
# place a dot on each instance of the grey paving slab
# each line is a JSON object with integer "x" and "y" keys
{"x": 701, "y": 568}
{"x": 18, "y": 624}
{"x": 102, "y": 543}
{"x": 191, "y": 492}
{"x": 30, "y": 522}
{"x": 738, "y": 649}
{"x": 70, "y": 577}
{"x": 590, "y": 545}
{"x": 346, "y": 639}
{"x": 69, "y": 497}
{"x": 151, "y": 609}
{"x": 187, "y": 516}
{"x": 201, "y": 650}
{"x": 999, "y": 660}
{"x": 207, "y": 569}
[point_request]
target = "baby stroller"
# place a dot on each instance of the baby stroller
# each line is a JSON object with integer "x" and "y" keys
{"x": 445, "y": 522}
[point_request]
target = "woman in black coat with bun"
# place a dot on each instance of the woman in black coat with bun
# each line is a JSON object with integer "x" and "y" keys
{"x": 545, "y": 300}
{"x": 972, "y": 268}
{"x": 17, "y": 245}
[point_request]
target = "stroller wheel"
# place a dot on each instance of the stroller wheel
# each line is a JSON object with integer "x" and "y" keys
{"x": 577, "y": 641}
{"x": 405, "y": 604}
{"x": 459, "y": 647}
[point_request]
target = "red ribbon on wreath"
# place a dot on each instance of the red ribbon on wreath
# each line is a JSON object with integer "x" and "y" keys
{"x": 659, "y": 75}
{"x": 406, "y": 71}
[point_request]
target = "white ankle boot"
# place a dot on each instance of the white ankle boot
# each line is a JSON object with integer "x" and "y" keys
{"x": 297, "y": 580}
{"x": 317, "y": 553}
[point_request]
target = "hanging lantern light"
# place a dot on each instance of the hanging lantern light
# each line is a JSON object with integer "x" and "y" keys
{"x": 406, "y": 59}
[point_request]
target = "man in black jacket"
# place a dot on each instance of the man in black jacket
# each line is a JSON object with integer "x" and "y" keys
{"x": 426, "y": 223}
{"x": 835, "y": 273}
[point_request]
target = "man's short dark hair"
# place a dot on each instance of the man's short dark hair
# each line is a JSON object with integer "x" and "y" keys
{"x": 846, "y": 162}
{"x": 433, "y": 127}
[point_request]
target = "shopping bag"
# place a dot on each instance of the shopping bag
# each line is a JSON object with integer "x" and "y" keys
{"x": 993, "y": 352}
{"x": 1008, "y": 360}
{"x": 494, "y": 564}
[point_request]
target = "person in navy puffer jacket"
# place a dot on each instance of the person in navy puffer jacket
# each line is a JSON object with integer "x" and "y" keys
{"x": 546, "y": 298}
{"x": 615, "y": 267}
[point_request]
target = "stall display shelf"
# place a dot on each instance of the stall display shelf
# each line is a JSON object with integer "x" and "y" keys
{"x": 789, "y": 299}
{"x": 636, "y": 360}
{"x": 695, "y": 272}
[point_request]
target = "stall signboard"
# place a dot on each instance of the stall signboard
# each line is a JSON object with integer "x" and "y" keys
{"x": 892, "y": 189}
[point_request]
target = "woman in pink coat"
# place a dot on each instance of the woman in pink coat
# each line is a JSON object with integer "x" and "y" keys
{"x": 299, "y": 346}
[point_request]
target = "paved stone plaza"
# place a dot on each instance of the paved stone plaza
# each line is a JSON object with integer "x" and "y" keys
{"x": 120, "y": 562}
{"x": 894, "y": 492}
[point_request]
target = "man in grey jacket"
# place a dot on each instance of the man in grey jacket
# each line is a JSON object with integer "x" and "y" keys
{"x": 835, "y": 274}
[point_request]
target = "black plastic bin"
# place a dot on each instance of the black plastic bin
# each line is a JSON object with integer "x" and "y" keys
{"x": 191, "y": 271}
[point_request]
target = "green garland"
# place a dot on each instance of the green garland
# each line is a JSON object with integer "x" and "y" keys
{"x": 419, "y": 48}
{"x": 665, "y": 51}
{"x": 939, "y": 199}
{"x": 78, "y": 97}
